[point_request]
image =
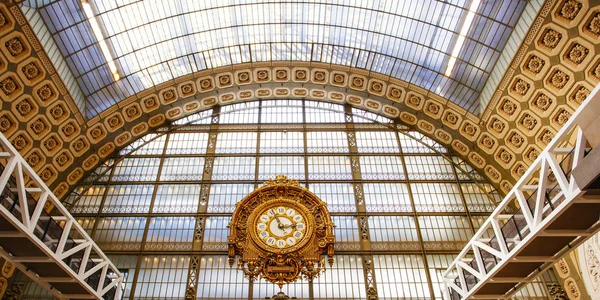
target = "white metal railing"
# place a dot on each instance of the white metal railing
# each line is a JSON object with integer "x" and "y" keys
{"x": 24, "y": 201}
{"x": 545, "y": 191}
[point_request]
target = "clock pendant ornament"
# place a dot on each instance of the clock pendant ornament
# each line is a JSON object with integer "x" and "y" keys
{"x": 281, "y": 232}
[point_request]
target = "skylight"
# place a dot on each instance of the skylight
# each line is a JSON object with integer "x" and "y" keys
{"x": 151, "y": 42}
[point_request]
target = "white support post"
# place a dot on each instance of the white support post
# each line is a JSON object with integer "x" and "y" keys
{"x": 8, "y": 170}
{"x": 525, "y": 210}
{"x": 84, "y": 261}
{"x": 540, "y": 197}
{"x": 24, "y": 207}
{"x": 63, "y": 238}
{"x": 478, "y": 259}
{"x": 558, "y": 173}
{"x": 37, "y": 213}
{"x": 499, "y": 237}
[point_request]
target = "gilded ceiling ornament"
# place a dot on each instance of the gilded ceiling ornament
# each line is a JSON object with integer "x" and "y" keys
{"x": 68, "y": 129}
{"x": 594, "y": 25}
{"x": 572, "y": 289}
{"x": 114, "y": 121}
{"x": 506, "y": 186}
{"x": 319, "y": 76}
{"x": 2, "y": 19}
{"x": 57, "y": 111}
{"x": 24, "y": 107}
{"x": 556, "y": 292}
{"x": 243, "y": 76}
{"x": 521, "y": 87}
{"x": 281, "y": 74}
{"x": 520, "y": 170}
{"x": 542, "y": 102}
{"x": 509, "y": 107}
{"x": 263, "y": 92}
{"x": 443, "y": 136}
{"x": 517, "y": 140}
{"x": 377, "y": 86}
{"x": 596, "y": 71}
{"x": 562, "y": 267}
{"x": 390, "y": 110}
{"x": 528, "y": 121}
{"x": 38, "y": 126}
{"x": 62, "y": 159}
{"x": 205, "y": 83}
{"x": 5, "y": 124}
{"x": 535, "y": 64}
{"x": 338, "y": 78}
{"x": 225, "y": 79}
{"x": 186, "y": 89}
{"x": 30, "y": 70}
{"x": 505, "y": 156}
{"x": 559, "y": 79}
{"x": 262, "y": 75}
{"x": 498, "y": 125}
{"x": 570, "y": 9}
{"x": 281, "y": 232}
{"x": 477, "y": 159}
{"x": 150, "y": 102}
{"x": 14, "y": 46}
{"x": 414, "y": 100}
{"x": 20, "y": 142}
{"x": 546, "y": 136}
{"x": 408, "y": 118}
{"x": 300, "y": 74}
{"x": 578, "y": 53}
{"x": 33, "y": 159}
{"x": 433, "y": 108}
{"x": 487, "y": 141}
{"x": 8, "y": 86}
{"x": 459, "y": 146}
{"x": 46, "y": 174}
{"x": 532, "y": 154}
{"x": 51, "y": 143}
{"x": 395, "y": 92}
{"x": 551, "y": 38}
{"x": 469, "y": 129}
{"x": 581, "y": 94}
{"x": 168, "y": 94}
{"x": 45, "y": 92}
{"x": 131, "y": 111}
{"x": 358, "y": 82}
{"x": 493, "y": 173}
{"x": 562, "y": 117}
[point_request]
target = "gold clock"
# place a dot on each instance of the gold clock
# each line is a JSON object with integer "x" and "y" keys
{"x": 281, "y": 232}
{"x": 281, "y": 225}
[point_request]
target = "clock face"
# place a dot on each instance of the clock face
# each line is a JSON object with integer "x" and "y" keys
{"x": 281, "y": 227}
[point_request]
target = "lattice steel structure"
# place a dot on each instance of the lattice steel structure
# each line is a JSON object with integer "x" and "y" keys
{"x": 403, "y": 205}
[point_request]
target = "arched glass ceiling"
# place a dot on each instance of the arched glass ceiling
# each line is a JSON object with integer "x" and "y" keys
{"x": 152, "y": 42}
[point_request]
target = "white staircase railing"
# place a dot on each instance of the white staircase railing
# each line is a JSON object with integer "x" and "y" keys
{"x": 40, "y": 237}
{"x": 544, "y": 216}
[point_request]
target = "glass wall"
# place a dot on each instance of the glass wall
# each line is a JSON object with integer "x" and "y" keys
{"x": 401, "y": 210}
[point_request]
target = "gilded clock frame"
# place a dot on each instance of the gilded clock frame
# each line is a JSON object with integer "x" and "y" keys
{"x": 281, "y": 265}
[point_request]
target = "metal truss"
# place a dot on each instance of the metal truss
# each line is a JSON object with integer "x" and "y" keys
{"x": 40, "y": 237}
{"x": 549, "y": 211}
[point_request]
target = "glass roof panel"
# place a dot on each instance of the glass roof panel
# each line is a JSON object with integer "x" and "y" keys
{"x": 155, "y": 41}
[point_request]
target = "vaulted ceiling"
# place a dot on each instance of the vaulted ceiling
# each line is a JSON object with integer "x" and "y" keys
{"x": 553, "y": 70}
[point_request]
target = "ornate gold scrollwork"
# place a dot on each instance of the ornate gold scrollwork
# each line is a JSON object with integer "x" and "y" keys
{"x": 281, "y": 232}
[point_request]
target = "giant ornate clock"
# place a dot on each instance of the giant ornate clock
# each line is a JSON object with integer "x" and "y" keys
{"x": 281, "y": 232}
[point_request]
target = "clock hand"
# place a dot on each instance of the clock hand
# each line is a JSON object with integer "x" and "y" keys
{"x": 276, "y": 217}
{"x": 281, "y": 226}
